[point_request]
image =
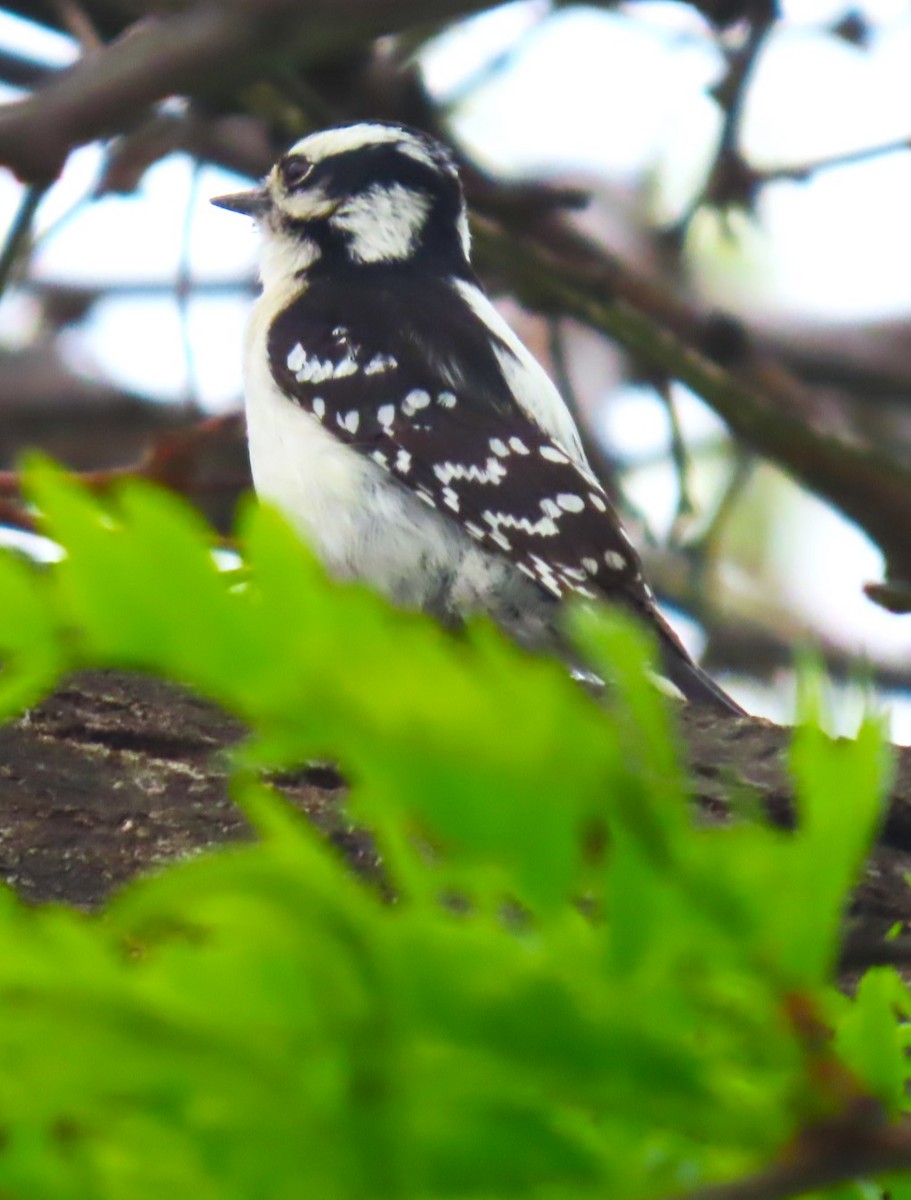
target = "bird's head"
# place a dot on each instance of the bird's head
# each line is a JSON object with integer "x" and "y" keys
{"x": 358, "y": 196}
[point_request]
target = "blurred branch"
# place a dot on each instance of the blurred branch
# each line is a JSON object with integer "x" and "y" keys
{"x": 15, "y": 515}
{"x": 18, "y": 237}
{"x": 679, "y": 457}
{"x": 857, "y": 1146}
{"x": 189, "y": 52}
{"x": 206, "y": 462}
{"x": 552, "y": 268}
{"x": 731, "y": 181}
{"x": 77, "y": 22}
{"x": 803, "y": 171}
{"x": 701, "y": 547}
{"x": 861, "y": 953}
{"x": 18, "y": 70}
{"x": 170, "y": 461}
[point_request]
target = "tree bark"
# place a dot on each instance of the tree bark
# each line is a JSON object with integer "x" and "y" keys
{"x": 116, "y": 774}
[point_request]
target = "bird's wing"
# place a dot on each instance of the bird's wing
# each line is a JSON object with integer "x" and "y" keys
{"x": 419, "y": 384}
{"x": 437, "y": 413}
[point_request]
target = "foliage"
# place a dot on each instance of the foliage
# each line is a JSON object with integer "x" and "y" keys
{"x": 578, "y": 991}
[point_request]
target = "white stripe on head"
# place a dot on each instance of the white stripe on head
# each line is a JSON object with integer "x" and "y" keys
{"x": 383, "y": 222}
{"x": 329, "y": 142}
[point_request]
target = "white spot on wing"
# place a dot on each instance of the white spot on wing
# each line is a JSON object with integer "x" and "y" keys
{"x": 543, "y": 527}
{"x": 598, "y": 501}
{"x": 615, "y": 560}
{"x": 415, "y": 401}
{"x": 518, "y": 445}
{"x": 446, "y": 399}
{"x": 403, "y": 462}
{"x": 380, "y": 363}
{"x": 492, "y": 472}
{"x": 386, "y": 415}
{"x": 319, "y": 407}
{"x": 318, "y": 370}
{"x": 499, "y": 447}
{"x": 552, "y": 454}
{"x": 346, "y": 367}
{"x": 570, "y": 502}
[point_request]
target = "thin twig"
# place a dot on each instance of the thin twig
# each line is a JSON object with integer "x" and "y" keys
{"x": 18, "y": 236}
{"x": 731, "y": 180}
{"x": 731, "y": 93}
{"x": 741, "y": 473}
{"x": 679, "y": 457}
{"x": 183, "y": 289}
{"x": 801, "y": 171}
{"x": 77, "y": 22}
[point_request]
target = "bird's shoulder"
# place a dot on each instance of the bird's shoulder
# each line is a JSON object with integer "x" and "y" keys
{"x": 383, "y": 332}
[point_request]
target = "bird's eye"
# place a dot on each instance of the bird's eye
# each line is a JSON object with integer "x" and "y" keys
{"x": 294, "y": 170}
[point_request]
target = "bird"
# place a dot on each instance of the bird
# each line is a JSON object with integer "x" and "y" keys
{"x": 399, "y": 422}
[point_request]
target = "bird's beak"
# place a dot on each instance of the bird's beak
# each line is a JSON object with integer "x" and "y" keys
{"x": 254, "y": 203}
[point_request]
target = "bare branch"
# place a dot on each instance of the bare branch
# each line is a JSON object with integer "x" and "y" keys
{"x": 18, "y": 236}
{"x": 187, "y": 53}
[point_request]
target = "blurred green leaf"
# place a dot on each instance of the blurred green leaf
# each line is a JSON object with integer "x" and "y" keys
{"x": 569, "y": 987}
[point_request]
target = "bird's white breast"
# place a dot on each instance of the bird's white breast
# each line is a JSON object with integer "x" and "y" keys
{"x": 359, "y": 522}
{"x": 296, "y": 464}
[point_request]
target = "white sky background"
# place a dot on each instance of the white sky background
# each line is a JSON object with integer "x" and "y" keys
{"x": 591, "y": 93}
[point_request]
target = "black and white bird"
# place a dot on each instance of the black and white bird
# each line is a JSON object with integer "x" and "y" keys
{"x": 398, "y": 421}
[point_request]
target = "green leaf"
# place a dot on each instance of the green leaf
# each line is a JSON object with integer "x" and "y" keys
{"x": 840, "y": 790}
{"x": 32, "y": 657}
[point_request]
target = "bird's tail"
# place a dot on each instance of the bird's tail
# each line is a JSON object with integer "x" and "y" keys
{"x": 692, "y": 681}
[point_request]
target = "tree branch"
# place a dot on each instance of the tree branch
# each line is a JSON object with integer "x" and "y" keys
{"x": 115, "y": 773}
{"x": 189, "y": 52}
